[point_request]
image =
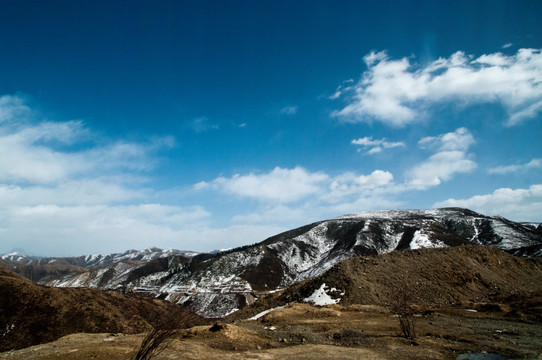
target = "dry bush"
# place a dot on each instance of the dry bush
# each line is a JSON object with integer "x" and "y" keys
{"x": 164, "y": 330}
{"x": 154, "y": 343}
{"x": 403, "y": 297}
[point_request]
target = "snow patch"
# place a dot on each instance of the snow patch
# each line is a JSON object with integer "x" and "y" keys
{"x": 8, "y": 329}
{"x": 259, "y": 315}
{"x": 231, "y": 312}
{"x": 321, "y": 298}
{"x": 423, "y": 240}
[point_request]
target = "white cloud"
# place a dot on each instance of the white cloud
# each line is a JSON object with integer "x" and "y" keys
{"x": 398, "y": 92}
{"x": 30, "y": 153}
{"x": 298, "y": 195}
{"x": 450, "y": 159}
{"x": 202, "y": 124}
{"x": 514, "y": 204}
{"x": 81, "y": 229}
{"x": 66, "y": 191}
{"x": 376, "y": 145}
{"x": 526, "y": 113}
{"x": 348, "y": 185}
{"x": 460, "y": 140}
{"x": 289, "y": 110}
{"x": 344, "y": 87}
{"x": 70, "y": 193}
{"x": 533, "y": 164}
{"x": 12, "y": 107}
{"x": 280, "y": 185}
{"x": 440, "y": 167}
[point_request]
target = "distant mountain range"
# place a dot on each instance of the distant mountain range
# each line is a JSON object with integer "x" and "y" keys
{"x": 98, "y": 260}
{"x": 217, "y": 284}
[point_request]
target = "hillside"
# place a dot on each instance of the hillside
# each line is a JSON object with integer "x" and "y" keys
{"x": 432, "y": 277}
{"x": 33, "y": 314}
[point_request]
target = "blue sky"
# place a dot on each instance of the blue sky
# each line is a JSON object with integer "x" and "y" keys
{"x": 202, "y": 125}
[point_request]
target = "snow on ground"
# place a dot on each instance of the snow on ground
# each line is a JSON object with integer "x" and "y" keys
{"x": 259, "y": 315}
{"x": 423, "y": 240}
{"x": 321, "y": 298}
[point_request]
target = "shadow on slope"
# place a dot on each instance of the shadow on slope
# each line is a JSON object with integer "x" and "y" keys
{"x": 32, "y": 314}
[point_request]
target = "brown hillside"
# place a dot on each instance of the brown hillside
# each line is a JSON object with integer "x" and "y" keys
{"x": 32, "y": 314}
{"x": 434, "y": 277}
{"x": 39, "y": 272}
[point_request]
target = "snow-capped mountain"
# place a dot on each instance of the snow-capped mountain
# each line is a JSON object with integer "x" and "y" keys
{"x": 214, "y": 285}
{"x": 91, "y": 270}
{"x": 98, "y": 260}
{"x": 16, "y": 256}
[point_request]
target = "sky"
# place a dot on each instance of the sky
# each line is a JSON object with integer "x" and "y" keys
{"x": 203, "y": 125}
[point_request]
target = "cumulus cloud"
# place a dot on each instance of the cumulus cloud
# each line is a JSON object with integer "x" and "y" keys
{"x": 399, "y": 92}
{"x": 459, "y": 140}
{"x": 451, "y": 158}
{"x": 345, "y": 193}
{"x": 281, "y": 185}
{"x": 514, "y": 204}
{"x": 375, "y": 145}
{"x": 533, "y": 164}
{"x": 297, "y": 194}
{"x": 350, "y": 184}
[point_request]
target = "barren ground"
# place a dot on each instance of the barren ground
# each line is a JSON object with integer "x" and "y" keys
{"x": 302, "y": 331}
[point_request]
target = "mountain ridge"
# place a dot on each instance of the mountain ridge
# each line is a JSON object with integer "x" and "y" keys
{"x": 215, "y": 285}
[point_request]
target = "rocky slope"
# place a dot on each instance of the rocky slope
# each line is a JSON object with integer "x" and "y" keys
{"x": 215, "y": 285}
{"x": 429, "y": 277}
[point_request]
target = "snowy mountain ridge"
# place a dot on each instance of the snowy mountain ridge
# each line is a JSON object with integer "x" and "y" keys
{"x": 98, "y": 260}
{"x": 214, "y": 285}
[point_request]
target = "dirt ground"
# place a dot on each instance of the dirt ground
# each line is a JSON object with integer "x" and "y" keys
{"x": 302, "y": 331}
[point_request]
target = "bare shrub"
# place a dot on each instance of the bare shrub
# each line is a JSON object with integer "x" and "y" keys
{"x": 402, "y": 297}
{"x": 156, "y": 341}
{"x": 159, "y": 338}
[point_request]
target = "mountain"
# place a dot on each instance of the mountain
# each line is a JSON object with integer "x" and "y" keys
{"x": 214, "y": 285}
{"x": 33, "y": 314}
{"x": 46, "y": 269}
{"x": 452, "y": 276}
{"x": 98, "y": 260}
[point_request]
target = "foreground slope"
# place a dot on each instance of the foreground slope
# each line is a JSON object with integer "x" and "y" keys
{"x": 32, "y": 314}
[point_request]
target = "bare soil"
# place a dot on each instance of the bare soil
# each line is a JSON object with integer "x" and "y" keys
{"x": 302, "y": 331}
